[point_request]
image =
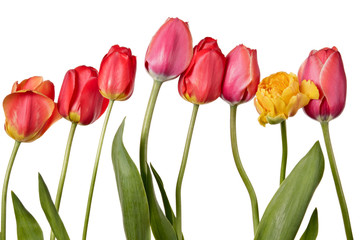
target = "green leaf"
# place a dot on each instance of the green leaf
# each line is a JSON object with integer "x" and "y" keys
{"x": 168, "y": 210}
{"x": 311, "y": 231}
{"x": 134, "y": 205}
{"x": 283, "y": 215}
{"x": 160, "y": 225}
{"x": 27, "y": 226}
{"x": 56, "y": 224}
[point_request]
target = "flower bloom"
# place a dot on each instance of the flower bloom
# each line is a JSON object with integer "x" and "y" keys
{"x": 170, "y": 50}
{"x": 279, "y": 96}
{"x": 202, "y": 80}
{"x": 242, "y": 75}
{"x": 325, "y": 68}
{"x": 117, "y": 74}
{"x": 30, "y": 109}
{"x": 80, "y": 100}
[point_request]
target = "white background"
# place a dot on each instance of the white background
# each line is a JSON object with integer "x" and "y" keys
{"x": 48, "y": 38}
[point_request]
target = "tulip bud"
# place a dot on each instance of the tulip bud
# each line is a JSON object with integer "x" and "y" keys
{"x": 30, "y": 109}
{"x": 80, "y": 100}
{"x": 117, "y": 74}
{"x": 170, "y": 50}
{"x": 202, "y": 80}
{"x": 242, "y": 75}
{"x": 325, "y": 68}
{"x": 279, "y": 96}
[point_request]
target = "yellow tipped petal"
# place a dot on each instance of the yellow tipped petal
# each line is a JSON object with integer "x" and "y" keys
{"x": 308, "y": 88}
{"x": 297, "y": 102}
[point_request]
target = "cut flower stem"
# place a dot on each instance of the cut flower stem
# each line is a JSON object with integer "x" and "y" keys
{"x": 96, "y": 164}
{"x": 182, "y": 171}
{"x": 240, "y": 168}
{"x": 64, "y": 170}
{"x": 284, "y": 151}
{"x": 336, "y": 177}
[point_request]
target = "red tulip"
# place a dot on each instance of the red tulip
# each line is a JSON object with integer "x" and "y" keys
{"x": 202, "y": 80}
{"x": 80, "y": 100}
{"x": 242, "y": 75}
{"x": 30, "y": 109}
{"x": 170, "y": 50}
{"x": 325, "y": 68}
{"x": 117, "y": 73}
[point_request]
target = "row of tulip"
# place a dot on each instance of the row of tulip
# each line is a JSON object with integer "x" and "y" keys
{"x": 205, "y": 74}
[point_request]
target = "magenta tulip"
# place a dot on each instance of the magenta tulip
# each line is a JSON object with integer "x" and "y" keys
{"x": 242, "y": 75}
{"x": 325, "y": 68}
{"x": 170, "y": 50}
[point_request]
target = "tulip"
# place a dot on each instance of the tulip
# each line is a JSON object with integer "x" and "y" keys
{"x": 242, "y": 75}
{"x": 116, "y": 82}
{"x": 170, "y": 50}
{"x": 202, "y": 80}
{"x": 279, "y": 96}
{"x": 325, "y": 68}
{"x": 30, "y": 109}
{"x": 80, "y": 100}
{"x": 117, "y": 74}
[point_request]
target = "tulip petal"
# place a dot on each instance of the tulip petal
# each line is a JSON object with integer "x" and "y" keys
{"x": 28, "y": 84}
{"x": 92, "y": 103}
{"x": 309, "y": 88}
{"x": 47, "y": 88}
{"x": 66, "y": 93}
{"x": 333, "y": 74}
{"x": 26, "y": 114}
{"x": 55, "y": 116}
{"x": 312, "y": 71}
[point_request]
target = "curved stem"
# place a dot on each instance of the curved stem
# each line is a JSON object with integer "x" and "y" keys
{"x": 5, "y": 188}
{"x": 97, "y": 158}
{"x": 284, "y": 151}
{"x": 336, "y": 177}
{"x": 63, "y": 171}
{"x": 146, "y": 128}
{"x": 182, "y": 171}
{"x": 241, "y": 170}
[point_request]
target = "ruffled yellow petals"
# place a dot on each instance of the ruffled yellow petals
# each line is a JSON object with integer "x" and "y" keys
{"x": 279, "y": 96}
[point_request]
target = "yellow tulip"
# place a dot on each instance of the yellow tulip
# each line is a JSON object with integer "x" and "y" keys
{"x": 279, "y": 96}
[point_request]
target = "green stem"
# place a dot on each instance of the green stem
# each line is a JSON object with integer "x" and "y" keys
{"x": 97, "y": 158}
{"x": 336, "y": 177}
{"x": 284, "y": 151}
{"x": 240, "y": 168}
{"x": 146, "y": 128}
{"x": 5, "y": 188}
{"x": 63, "y": 171}
{"x": 182, "y": 171}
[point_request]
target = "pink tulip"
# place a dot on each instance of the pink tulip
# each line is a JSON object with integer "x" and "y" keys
{"x": 325, "y": 68}
{"x": 170, "y": 50}
{"x": 202, "y": 80}
{"x": 242, "y": 75}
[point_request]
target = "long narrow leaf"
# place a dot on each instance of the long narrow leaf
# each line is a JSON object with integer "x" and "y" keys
{"x": 134, "y": 205}
{"x": 168, "y": 210}
{"x": 312, "y": 229}
{"x": 283, "y": 215}
{"x": 160, "y": 225}
{"x": 56, "y": 224}
{"x": 26, "y": 225}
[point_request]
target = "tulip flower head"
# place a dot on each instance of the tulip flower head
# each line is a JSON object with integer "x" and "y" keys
{"x": 170, "y": 50}
{"x": 80, "y": 100}
{"x": 202, "y": 80}
{"x": 279, "y": 97}
{"x": 242, "y": 75}
{"x": 117, "y": 74}
{"x": 30, "y": 109}
{"x": 325, "y": 68}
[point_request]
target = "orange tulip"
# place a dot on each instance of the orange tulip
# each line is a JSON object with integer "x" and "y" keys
{"x": 30, "y": 109}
